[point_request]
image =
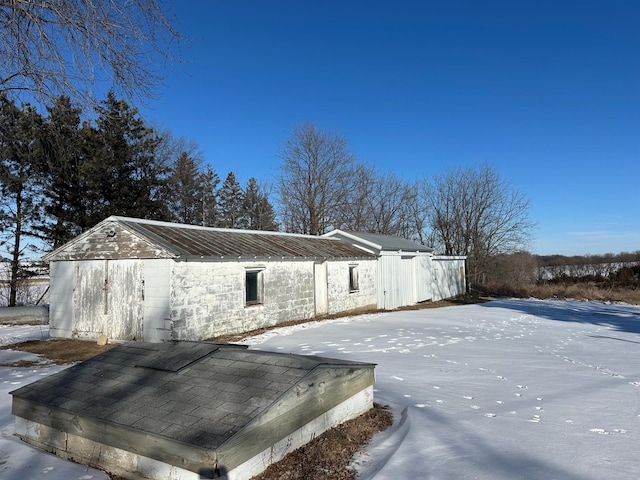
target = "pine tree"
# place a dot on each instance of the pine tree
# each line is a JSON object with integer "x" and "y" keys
{"x": 230, "y": 203}
{"x": 63, "y": 185}
{"x": 123, "y": 176}
{"x": 186, "y": 184}
{"x": 209, "y": 197}
{"x": 257, "y": 211}
{"x": 20, "y": 200}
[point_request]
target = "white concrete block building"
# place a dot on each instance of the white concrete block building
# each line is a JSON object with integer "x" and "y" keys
{"x": 132, "y": 279}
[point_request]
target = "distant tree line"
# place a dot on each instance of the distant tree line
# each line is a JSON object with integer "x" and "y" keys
{"x": 512, "y": 274}
{"x": 60, "y": 175}
{"x": 607, "y": 270}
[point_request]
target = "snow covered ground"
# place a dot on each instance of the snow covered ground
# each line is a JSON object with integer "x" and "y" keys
{"x": 510, "y": 389}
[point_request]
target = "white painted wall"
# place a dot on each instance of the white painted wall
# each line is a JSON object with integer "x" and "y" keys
{"x": 157, "y": 307}
{"x": 448, "y": 277}
{"x": 208, "y": 298}
{"x": 340, "y": 299}
{"x": 62, "y": 283}
{"x": 194, "y": 300}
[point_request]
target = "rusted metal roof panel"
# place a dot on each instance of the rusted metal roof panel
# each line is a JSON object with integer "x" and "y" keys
{"x": 188, "y": 240}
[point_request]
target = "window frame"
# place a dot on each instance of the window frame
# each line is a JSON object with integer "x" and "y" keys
{"x": 257, "y": 279}
{"x": 354, "y": 279}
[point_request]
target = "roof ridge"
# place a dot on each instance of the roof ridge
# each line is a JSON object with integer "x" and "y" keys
{"x": 161, "y": 223}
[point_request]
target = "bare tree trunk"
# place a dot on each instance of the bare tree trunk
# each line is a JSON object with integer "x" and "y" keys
{"x": 15, "y": 254}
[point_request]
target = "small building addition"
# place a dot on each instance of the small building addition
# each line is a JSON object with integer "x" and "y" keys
{"x": 408, "y": 272}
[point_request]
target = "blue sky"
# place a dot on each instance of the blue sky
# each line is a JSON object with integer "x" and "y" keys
{"x": 546, "y": 92}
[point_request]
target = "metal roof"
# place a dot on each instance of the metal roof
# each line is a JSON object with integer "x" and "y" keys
{"x": 381, "y": 242}
{"x": 179, "y": 240}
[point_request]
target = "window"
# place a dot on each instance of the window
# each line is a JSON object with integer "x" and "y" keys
{"x": 353, "y": 278}
{"x": 254, "y": 287}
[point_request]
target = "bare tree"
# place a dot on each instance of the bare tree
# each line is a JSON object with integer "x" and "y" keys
{"x": 515, "y": 270}
{"x": 355, "y": 213}
{"x": 49, "y": 48}
{"x": 314, "y": 179}
{"x": 380, "y": 203}
{"x": 476, "y": 213}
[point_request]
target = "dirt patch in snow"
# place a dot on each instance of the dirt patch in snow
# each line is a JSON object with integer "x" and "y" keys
{"x": 58, "y": 351}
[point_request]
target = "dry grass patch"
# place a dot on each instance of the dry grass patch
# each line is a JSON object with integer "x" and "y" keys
{"x": 59, "y": 351}
{"x": 330, "y": 455}
{"x": 588, "y": 291}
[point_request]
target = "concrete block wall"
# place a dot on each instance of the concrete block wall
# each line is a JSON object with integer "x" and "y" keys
{"x": 340, "y": 299}
{"x": 157, "y": 309}
{"x": 208, "y": 298}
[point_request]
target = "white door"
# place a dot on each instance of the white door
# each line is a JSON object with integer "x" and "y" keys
{"x": 321, "y": 289}
{"x": 108, "y": 299}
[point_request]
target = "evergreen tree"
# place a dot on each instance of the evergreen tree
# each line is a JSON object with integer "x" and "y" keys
{"x": 209, "y": 197}
{"x": 123, "y": 176}
{"x": 257, "y": 211}
{"x": 20, "y": 200}
{"x": 186, "y": 184}
{"x": 63, "y": 185}
{"x": 230, "y": 203}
